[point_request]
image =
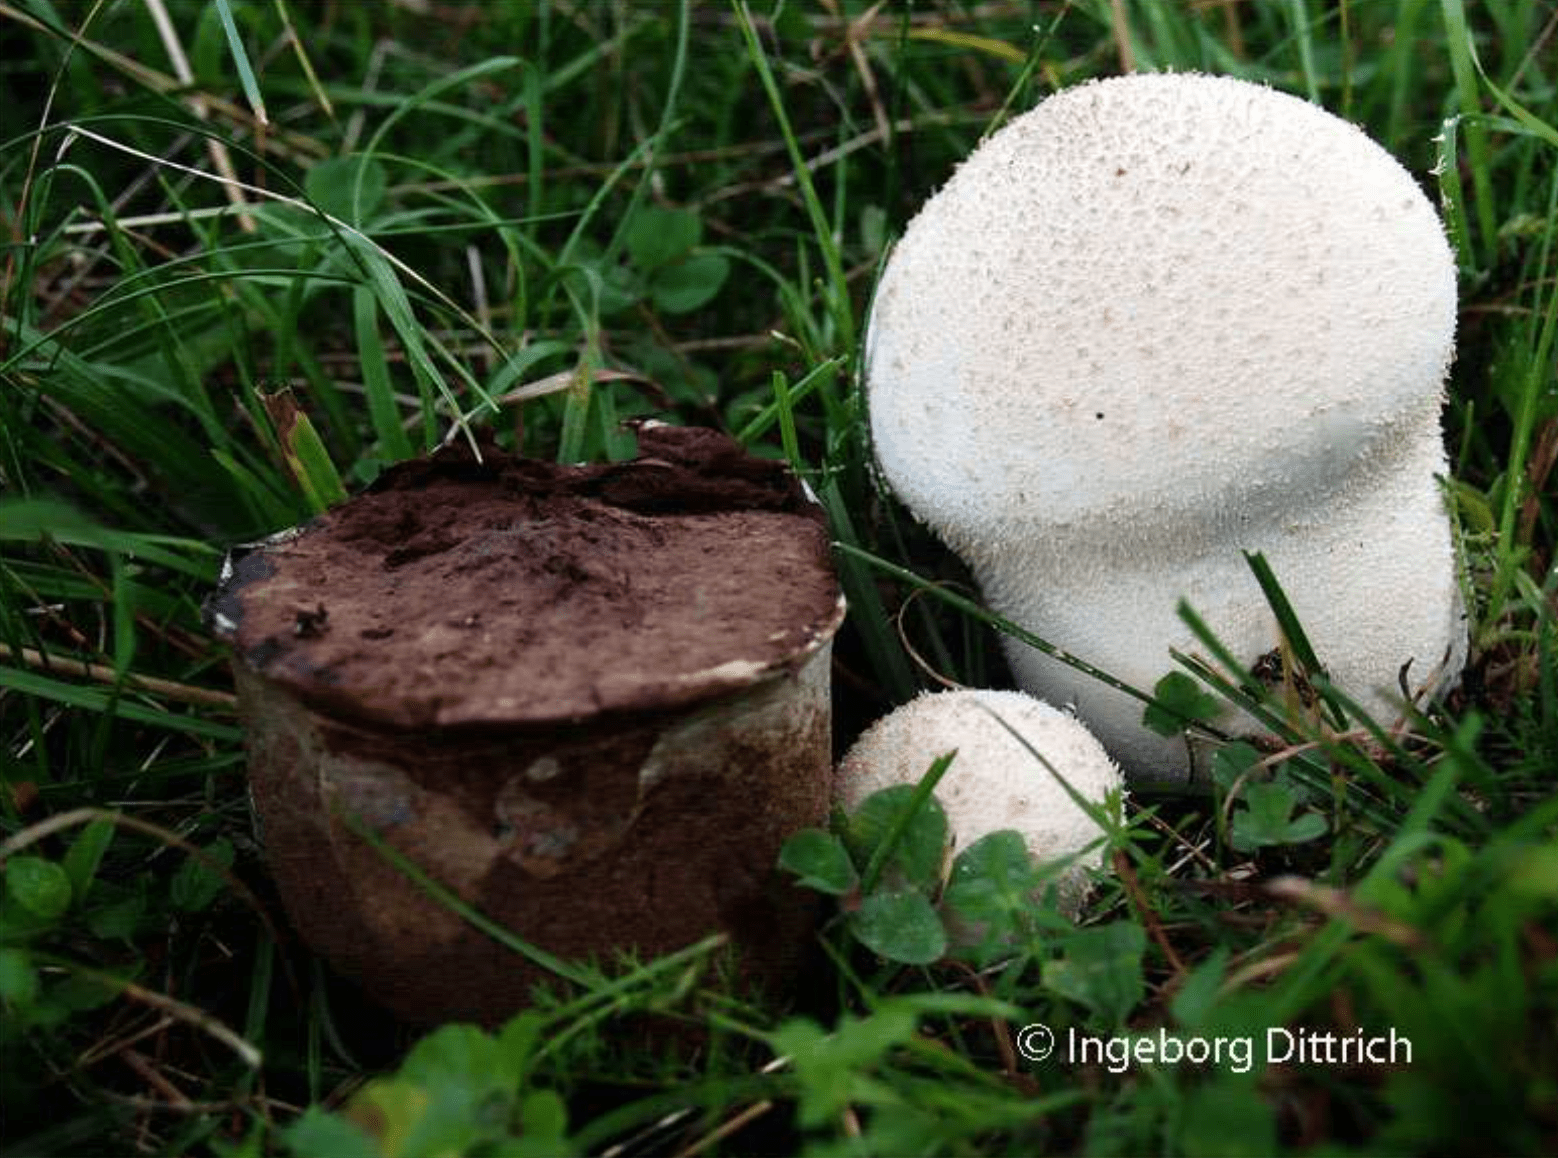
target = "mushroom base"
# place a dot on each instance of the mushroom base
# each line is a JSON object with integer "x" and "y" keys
{"x": 1372, "y": 576}
{"x": 639, "y": 835}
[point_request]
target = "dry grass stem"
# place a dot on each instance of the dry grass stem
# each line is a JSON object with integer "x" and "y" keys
{"x": 102, "y": 673}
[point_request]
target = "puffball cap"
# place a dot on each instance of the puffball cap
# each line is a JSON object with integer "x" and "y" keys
{"x": 994, "y": 782}
{"x": 1159, "y": 299}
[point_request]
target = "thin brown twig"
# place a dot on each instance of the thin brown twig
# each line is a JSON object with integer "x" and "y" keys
{"x": 191, "y": 1108}
{"x": 914, "y": 653}
{"x": 108, "y": 1047}
{"x": 726, "y": 1128}
{"x": 1000, "y": 1030}
{"x": 153, "y": 1077}
{"x": 854, "y": 33}
{"x": 1339, "y": 905}
{"x": 1258, "y": 970}
{"x": 213, "y": 1027}
{"x": 169, "y": 689}
{"x": 1195, "y": 852}
{"x": 1120, "y": 25}
{"x": 1149, "y": 917}
{"x": 196, "y": 103}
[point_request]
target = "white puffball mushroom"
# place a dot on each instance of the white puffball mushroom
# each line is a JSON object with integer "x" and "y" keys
{"x": 994, "y": 782}
{"x": 1153, "y": 323}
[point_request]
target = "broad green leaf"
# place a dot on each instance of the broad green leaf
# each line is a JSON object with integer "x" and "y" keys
{"x": 1267, "y": 818}
{"x": 86, "y": 853}
{"x": 1199, "y": 991}
{"x": 391, "y": 1111}
{"x": 611, "y": 288}
{"x": 1101, "y": 968}
{"x": 656, "y": 236}
{"x": 1308, "y": 826}
{"x": 921, "y": 839}
{"x": 1226, "y": 1117}
{"x": 347, "y": 188}
{"x": 317, "y": 1134}
{"x": 18, "y": 978}
{"x": 117, "y": 920}
{"x": 991, "y": 887}
{"x": 1179, "y": 701}
{"x": 457, "y": 1051}
{"x": 521, "y": 1036}
{"x": 1232, "y": 761}
{"x": 620, "y": 289}
{"x": 685, "y": 285}
{"x": 832, "y": 1067}
{"x": 40, "y": 886}
{"x": 998, "y": 857}
{"x": 78, "y": 994}
{"x": 820, "y": 860}
{"x": 543, "y": 1117}
{"x": 195, "y": 885}
{"x": 1533, "y": 873}
{"x": 900, "y": 925}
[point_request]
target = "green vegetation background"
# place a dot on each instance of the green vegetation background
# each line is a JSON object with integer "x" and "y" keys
{"x": 257, "y": 249}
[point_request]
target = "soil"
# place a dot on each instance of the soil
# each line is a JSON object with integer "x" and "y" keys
{"x": 506, "y": 590}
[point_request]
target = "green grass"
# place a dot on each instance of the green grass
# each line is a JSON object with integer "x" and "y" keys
{"x": 360, "y": 230}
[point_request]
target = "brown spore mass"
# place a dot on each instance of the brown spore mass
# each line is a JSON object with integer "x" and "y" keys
{"x": 508, "y": 590}
{"x": 588, "y": 700}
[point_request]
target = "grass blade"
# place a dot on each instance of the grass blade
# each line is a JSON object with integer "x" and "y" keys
{"x": 382, "y": 406}
{"x": 93, "y": 699}
{"x": 251, "y": 87}
{"x": 1463, "y": 66}
{"x": 839, "y": 307}
{"x": 1293, "y": 634}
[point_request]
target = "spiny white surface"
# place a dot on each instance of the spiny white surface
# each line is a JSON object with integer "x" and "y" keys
{"x": 1372, "y": 582}
{"x": 1151, "y": 298}
{"x": 1157, "y": 321}
{"x": 994, "y": 782}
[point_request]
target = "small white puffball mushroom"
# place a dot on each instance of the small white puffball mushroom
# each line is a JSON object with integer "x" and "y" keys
{"x": 1151, "y": 324}
{"x": 994, "y": 782}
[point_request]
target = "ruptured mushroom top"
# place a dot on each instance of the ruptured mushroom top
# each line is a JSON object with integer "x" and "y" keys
{"x": 1154, "y": 307}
